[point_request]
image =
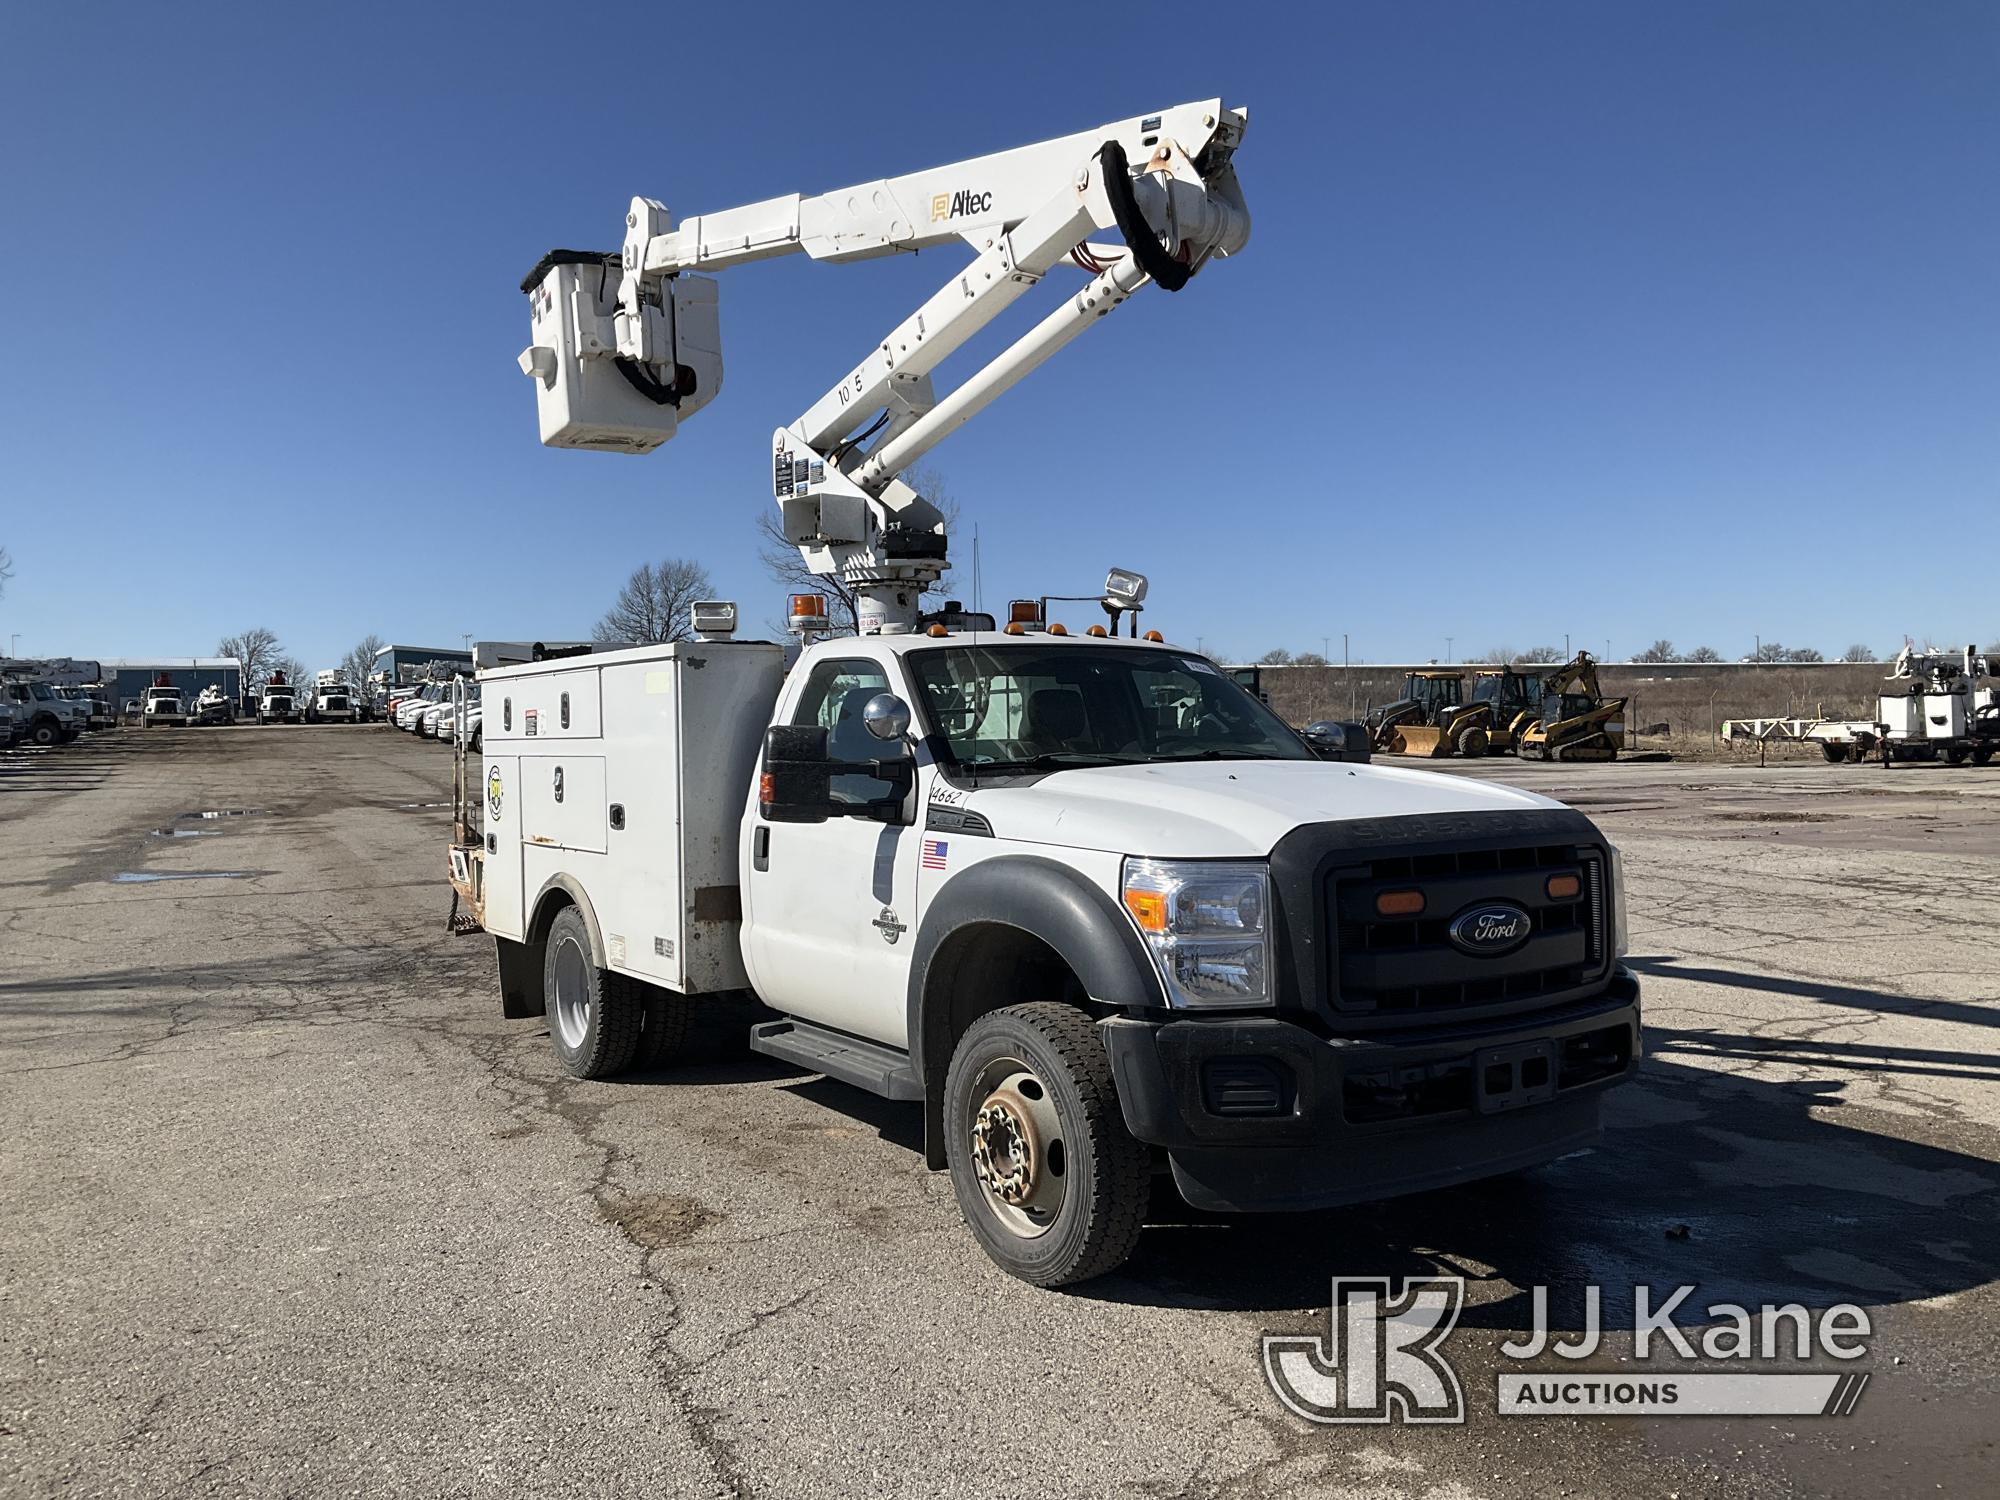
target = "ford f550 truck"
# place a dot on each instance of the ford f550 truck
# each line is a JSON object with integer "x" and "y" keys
{"x": 1083, "y": 901}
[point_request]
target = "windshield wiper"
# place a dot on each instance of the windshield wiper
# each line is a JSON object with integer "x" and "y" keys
{"x": 1055, "y": 760}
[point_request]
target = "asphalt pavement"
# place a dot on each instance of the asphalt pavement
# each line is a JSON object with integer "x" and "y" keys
{"x": 291, "y": 1210}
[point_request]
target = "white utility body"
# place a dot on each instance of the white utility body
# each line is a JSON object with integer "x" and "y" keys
{"x": 1084, "y": 898}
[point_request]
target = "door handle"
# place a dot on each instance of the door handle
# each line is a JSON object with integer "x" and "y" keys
{"x": 760, "y": 847}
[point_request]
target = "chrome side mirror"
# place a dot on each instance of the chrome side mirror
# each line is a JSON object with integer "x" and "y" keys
{"x": 886, "y": 716}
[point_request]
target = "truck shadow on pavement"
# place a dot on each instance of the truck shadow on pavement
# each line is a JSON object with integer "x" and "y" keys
{"x": 1752, "y": 1191}
{"x": 1849, "y": 996}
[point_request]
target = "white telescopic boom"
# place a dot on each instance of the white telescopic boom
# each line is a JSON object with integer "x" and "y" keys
{"x": 628, "y": 345}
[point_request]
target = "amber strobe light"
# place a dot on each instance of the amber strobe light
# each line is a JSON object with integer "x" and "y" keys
{"x": 1400, "y": 904}
{"x": 1024, "y": 612}
{"x": 1565, "y": 887}
{"x": 808, "y": 611}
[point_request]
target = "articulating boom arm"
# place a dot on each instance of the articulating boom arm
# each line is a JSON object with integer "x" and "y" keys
{"x": 626, "y": 345}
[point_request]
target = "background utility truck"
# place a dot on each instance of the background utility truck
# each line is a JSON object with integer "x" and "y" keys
{"x": 333, "y": 702}
{"x": 1082, "y": 900}
{"x": 278, "y": 703}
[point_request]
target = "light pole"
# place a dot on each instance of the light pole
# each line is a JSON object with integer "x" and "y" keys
{"x": 14, "y": 644}
{"x": 1447, "y": 650}
{"x": 1347, "y": 671}
{"x": 1565, "y": 645}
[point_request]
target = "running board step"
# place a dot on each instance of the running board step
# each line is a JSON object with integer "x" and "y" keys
{"x": 852, "y": 1059}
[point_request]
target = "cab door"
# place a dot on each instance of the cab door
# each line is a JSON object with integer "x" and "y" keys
{"x": 830, "y": 908}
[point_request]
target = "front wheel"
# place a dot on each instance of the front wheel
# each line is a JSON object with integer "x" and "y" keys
{"x": 1050, "y": 1182}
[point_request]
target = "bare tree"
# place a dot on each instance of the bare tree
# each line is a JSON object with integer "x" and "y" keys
{"x": 1499, "y": 656}
{"x": 1277, "y": 658}
{"x": 1704, "y": 653}
{"x": 1768, "y": 651}
{"x": 1540, "y": 654}
{"x": 257, "y": 650}
{"x": 294, "y": 670}
{"x": 788, "y": 570}
{"x": 656, "y": 603}
{"x": 1309, "y": 659}
{"x": 1804, "y": 653}
{"x": 359, "y": 662}
{"x": 1660, "y": 651}
{"x": 6, "y": 569}
{"x": 1857, "y": 653}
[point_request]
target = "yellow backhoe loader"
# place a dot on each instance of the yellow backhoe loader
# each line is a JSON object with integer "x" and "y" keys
{"x": 1575, "y": 721}
{"x": 1432, "y": 718}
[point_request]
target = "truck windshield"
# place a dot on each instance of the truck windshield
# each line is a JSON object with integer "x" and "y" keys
{"x": 1039, "y": 707}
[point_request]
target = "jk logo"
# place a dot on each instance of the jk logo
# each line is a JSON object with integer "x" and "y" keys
{"x": 1379, "y": 1361}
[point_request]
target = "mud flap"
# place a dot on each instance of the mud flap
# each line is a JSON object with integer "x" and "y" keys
{"x": 520, "y": 979}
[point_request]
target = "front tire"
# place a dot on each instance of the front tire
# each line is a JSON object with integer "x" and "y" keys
{"x": 1050, "y": 1182}
{"x": 594, "y": 1015}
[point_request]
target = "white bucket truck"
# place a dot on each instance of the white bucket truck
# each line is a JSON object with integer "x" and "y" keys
{"x": 1081, "y": 899}
{"x": 333, "y": 701}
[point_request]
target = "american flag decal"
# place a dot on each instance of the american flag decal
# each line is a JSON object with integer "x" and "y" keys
{"x": 934, "y": 854}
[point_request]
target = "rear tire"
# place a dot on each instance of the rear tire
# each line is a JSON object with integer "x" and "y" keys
{"x": 1470, "y": 742}
{"x": 594, "y": 1015}
{"x": 663, "y": 1030}
{"x": 1834, "y": 754}
{"x": 1050, "y": 1182}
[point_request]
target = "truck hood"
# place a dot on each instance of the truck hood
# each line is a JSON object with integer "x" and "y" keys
{"x": 1223, "y": 809}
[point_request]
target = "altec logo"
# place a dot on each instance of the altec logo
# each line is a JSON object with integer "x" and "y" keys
{"x": 959, "y": 205}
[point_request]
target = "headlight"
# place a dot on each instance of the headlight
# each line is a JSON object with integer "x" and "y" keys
{"x": 1208, "y": 927}
{"x": 1620, "y": 944}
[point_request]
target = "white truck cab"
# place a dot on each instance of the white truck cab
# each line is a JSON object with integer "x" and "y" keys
{"x": 279, "y": 702}
{"x": 163, "y": 705}
{"x": 1085, "y": 900}
{"x": 333, "y": 701}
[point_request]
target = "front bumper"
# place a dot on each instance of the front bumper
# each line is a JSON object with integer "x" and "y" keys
{"x": 1263, "y": 1114}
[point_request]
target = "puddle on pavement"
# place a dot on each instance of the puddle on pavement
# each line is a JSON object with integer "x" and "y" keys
{"x": 227, "y": 812}
{"x": 147, "y": 877}
{"x": 187, "y": 833}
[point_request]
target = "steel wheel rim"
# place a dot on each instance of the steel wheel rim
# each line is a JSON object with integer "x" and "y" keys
{"x": 572, "y": 992}
{"x": 1016, "y": 1142}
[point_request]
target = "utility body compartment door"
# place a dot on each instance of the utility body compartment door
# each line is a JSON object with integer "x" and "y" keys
{"x": 562, "y": 801}
{"x": 501, "y": 787}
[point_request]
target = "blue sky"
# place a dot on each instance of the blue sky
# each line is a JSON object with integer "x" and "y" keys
{"x": 1606, "y": 319}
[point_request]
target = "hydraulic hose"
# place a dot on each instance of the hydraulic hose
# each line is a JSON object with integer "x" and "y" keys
{"x": 1151, "y": 256}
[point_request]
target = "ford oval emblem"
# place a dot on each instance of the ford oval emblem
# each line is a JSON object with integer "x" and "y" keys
{"x": 1490, "y": 930}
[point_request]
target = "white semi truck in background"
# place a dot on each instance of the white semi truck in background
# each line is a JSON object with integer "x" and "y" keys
{"x": 333, "y": 701}
{"x": 1081, "y": 899}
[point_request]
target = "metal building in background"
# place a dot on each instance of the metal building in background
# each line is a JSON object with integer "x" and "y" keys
{"x": 126, "y": 678}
